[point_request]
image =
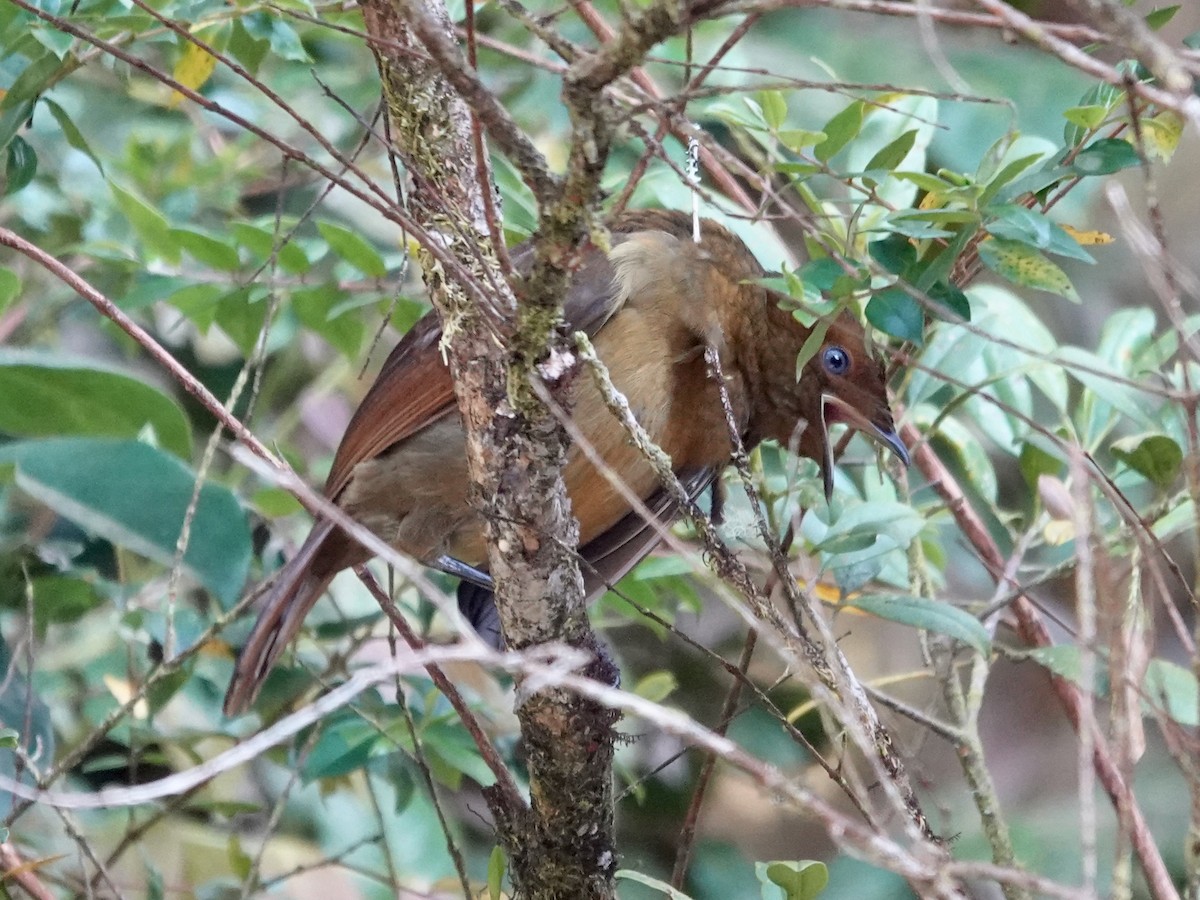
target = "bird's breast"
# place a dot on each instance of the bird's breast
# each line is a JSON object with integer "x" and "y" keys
{"x": 662, "y": 374}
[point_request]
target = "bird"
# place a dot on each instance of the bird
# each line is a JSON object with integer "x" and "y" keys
{"x": 652, "y": 302}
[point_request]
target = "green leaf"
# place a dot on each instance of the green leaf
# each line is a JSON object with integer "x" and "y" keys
{"x": 240, "y": 862}
{"x": 1036, "y": 461}
{"x": 21, "y": 166}
{"x": 400, "y": 779}
{"x": 21, "y": 704}
{"x": 136, "y": 496}
{"x": 895, "y": 253}
{"x": 1096, "y": 374}
{"x": 1126, "y": 335}
{"x": 1087, "y": 117}
{"x": 951, "y": 435}
{"x": 73, "y": 135}
{"x": 45, "y": 395}
{"x": 275, "y": 503}
{"x": 1065, "y": 660}
{"x": 33, "y": 80}
{"x": 199, "y": 303}
{"x": 656, "y": 686}
{"x": 315, "y": 307}
{"x": 1172, "y": 689}
{"x": 241, "y": 315}
{"x": 1007, "y": 175}
{"x": 1156, "y": 19}
{"x": 1104, "y": 96}
{"x": 1063, "y": 243}
{"x": 840, "y": 131}
{"x": 812, "y": 343}
{"x": 1154, "y": 456}
{"x": 10, "y": 288}
{"x": 148, "y": 223}
{"x": 798, "y": 880}
{"x": 15, "y": 117}
{"x": 57, "y": 598}
{"x": 796, "y": 139}
{"x": 1027, "y": 226}
{"x": 952, "y": 298}
{"x": 497, "y": 866}
{"x": 1025, "y": 267}
{"x": 1016, "y": 223}
{"x": 261, "y": 242}
{"x": 284, "y": 41}
{"x": 821, "y": 274}
{"x": 926, "y": 614}
{"x": 452, "y": 753}
{"x": 774, "y": 108}
{"x": 914, "y": 226}
{"x": 1105, "y": 156}
{"x": 889, "y": 157}
{"x": 207, "y": 249}
{"x": 863, "y": 536}
{"x": 351, "y": 247}
{"x": 344, "y": 746}
{"x": 245, "y": 48}
{"x": 894, "y": 312}
{"x": 926, "y": 181}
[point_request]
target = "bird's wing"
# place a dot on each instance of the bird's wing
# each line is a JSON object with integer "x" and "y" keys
{"x": 610, "y": 556}
{"x": 606, "y": 559}
{"x": 414, "y": 388}
{"x": 412, "y": 391}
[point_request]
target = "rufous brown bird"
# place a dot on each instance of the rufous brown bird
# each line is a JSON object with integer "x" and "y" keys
{"x": 651, "y": 305}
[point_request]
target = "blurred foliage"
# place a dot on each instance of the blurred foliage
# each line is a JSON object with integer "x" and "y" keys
{"x": 201, "y": 225}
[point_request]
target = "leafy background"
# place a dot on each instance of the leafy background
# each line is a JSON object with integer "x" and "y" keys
{"x": 277, "y": 290}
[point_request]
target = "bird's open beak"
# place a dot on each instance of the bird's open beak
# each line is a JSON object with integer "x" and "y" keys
{"x": 883, "y": 430}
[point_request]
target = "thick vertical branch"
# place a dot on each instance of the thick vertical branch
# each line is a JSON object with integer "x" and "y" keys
{"x": 562, "y": 844}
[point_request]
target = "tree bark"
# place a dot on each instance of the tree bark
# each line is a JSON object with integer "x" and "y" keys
{"x": 561, "y": 844}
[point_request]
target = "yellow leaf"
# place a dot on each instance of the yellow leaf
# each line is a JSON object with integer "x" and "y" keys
{"x": 194, "y": 68}
{"x": 932, "y": 200}
{"x": 1025, "y": 266}
{"x": 1058, "y": 531}
{"x": 826, "y": 593}
{"x": 123, "y": 691}
{"x": 1088, "y": 238}
{"x": 1161, "y": 134}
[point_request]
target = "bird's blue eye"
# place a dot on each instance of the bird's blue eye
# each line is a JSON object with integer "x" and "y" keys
{"x": 836, "y": 360}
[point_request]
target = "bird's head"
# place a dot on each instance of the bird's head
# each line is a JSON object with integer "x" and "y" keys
{"x": 842, "y": 382}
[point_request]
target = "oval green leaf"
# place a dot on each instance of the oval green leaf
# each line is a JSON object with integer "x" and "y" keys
{"x": 798, "y": 880}
{"x": 1105, "y": 156}
{"x": 206, "y": 249}
{"x": 135, "y": 495}
{"x": 46, "y": 395}
{"x": 21, "y": 166}
{"x": 840, "y": 131}
{"x": 657, "y": 686}
{"x": 351, "y": 247}
{"x": 894, "y": 312}
{"x": 1170, "y": 688}
{"x": 929, "y": 615}
{"x": 1155, "y": 456}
